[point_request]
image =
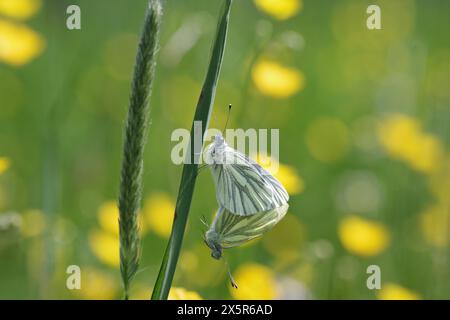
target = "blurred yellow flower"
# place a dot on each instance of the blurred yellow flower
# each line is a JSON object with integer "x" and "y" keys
{"x": 105, "y": 247}
{"x": 404, "y": 139}
{"x": 144, "y": 293}
{"x": 18, "y": 43}
{"x": 434, "y": 224}
{"x": 328, "y": 139}
{"x": 33, "y": 223}
{"x": 392, "y": 291}
{"x": 363, "y": 237}
{"x": 108, "y": 217}
{"x": 96, "y": 285}
{"x": 275, "y": 80}
{"x": 255, "y": 282}
{"x": 286, "y": 174}
{"x": 4, "y": 164}
{"x": 280, "y": 9}
{"x": 159, "y": 209}
{"x": 183, "y": 294}
{"x": 19, "y": 9}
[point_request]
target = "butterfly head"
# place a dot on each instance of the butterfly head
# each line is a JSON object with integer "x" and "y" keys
{"x": 215, "y": 151}
{"x": 219, "y": 140}
{"x": 211, "y": 240}
{"x": 216, "y": 253}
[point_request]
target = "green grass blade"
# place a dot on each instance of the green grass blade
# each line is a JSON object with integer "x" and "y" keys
{"x": 134, "y": 142}
{"x": 188, "y": 177}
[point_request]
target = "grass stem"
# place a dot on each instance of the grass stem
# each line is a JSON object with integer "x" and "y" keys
{"x": 134, "y": 143}
{"x": 189, "y": 174}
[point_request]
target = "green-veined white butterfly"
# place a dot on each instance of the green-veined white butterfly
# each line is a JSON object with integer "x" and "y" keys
{"x": 243, "y": 187}
{"x": 230, "y": 230}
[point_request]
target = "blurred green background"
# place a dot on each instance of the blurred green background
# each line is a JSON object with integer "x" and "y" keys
{"x": 364, "y": 146}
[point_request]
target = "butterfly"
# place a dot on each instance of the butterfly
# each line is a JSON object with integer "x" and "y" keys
{"x": 243, "y": 187}
{"x": 230, "y": 230}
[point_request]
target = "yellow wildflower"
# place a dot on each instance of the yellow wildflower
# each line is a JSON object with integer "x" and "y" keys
{"x": 280, "y": 9}
{"x": 363, "y": 237}
{"x": 328, "y": 139}
{"x": 434, "y": 224}
{"x": 96, "y": 285}
{"x": 392, "y": 291}
{"x": 105, "y": 247}
{"x": 144, "y": 293}
{"x": 158, "y": 211}
{"x": 277, "y": 81}
{"x": 396, "y": 133}
{"x": 255, "y": 282}
{"x": 108, "y": 217}
{"x": 19, "y": 9}
{"x": 404, "y": 139}
{"x": 18, "y": 43}
{"x": 430, "y": 156}
{"x": 286, "y": 174}
{"x": 183, "y": 294}
{"x": 4, "y": 164}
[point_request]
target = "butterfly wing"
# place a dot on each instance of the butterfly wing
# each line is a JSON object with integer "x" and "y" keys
{"x": 244, "y": 187}
{"x": 233, "y": 230}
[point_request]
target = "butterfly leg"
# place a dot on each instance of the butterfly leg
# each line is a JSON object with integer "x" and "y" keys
{"x": 203, "y": 220}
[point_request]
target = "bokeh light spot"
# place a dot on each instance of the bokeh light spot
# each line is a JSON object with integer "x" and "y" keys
{"x": 277, "y": 81}
{"x": 97, "y": 285}
{"x": 393, "y": 291}
{"x": 158, "y": 210}
{"x": 255, "y": 282}
{"x": 363, "y": 237}
{"x": 20, "y": 9}
{"x": 5, "y": 163}
{"x": 280, "y": 9}
{"x": 183, "y": 294}
{"x": 18, "y": 43}
{"x": 105, "y": 247}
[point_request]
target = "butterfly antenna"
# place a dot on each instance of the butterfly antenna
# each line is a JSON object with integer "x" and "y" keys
{"x": 228, "y": 118}
{"x": 233, "y": 283}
